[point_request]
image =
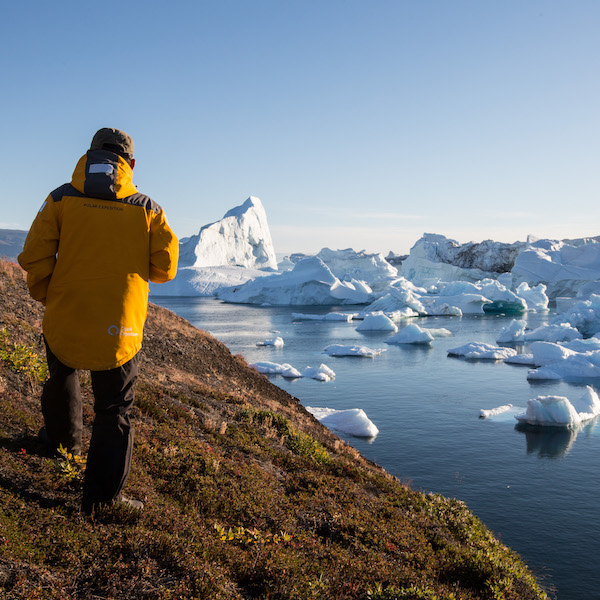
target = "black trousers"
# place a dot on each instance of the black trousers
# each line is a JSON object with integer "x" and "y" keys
{"x": 109, "y": 456}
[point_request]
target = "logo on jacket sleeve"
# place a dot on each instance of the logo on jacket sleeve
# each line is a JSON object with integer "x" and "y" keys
{"x": 122, "y": 331}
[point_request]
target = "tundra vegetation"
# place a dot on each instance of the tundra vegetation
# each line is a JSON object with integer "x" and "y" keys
{"x": 247, "y": 495}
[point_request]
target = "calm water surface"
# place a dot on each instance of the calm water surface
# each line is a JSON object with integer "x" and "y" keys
{"x": 537, "y": 490}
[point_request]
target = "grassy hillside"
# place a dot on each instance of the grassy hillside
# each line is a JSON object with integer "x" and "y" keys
{"x": 247, "y": 495}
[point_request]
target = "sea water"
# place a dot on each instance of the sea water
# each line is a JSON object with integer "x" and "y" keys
{"x": 536, "y": 488}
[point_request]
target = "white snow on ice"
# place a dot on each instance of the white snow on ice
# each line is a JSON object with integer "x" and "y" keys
{"x": 321, "y": 373}
{"x": 276, "y": 342}
{"x": 411, "y": 334}
{"x": 559, "y": 411}
{"x": 377, "y": 322}
{"x": 481, "y": 351}
{"x": 353, "y": 421}
{"x": 362, "y": 351}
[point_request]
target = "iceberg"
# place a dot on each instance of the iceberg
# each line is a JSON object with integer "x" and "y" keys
{"x": 492, "y": 412}
{"x": 560, "y": 332}
{"x": 564, "y": 266}
{"x": 535, "y": 270}
{"x": 458, "y": 298}
{"x": 277, "y": 342}
{"x": 377, "y": 322}
{"x": 372, "y": 270}
{"x": 401, "y": 295}
{"x": 436, "y": 258}
{"x": 558, "y": 411}
{"x": 363, "y": 351}
{"x": 411, "y": 334}
{"x": 353, "y": 291}
{"x": 513, "y": 332}
{"x": 352, "y": 421}
{"x": 482, "y": 351}
{"x": 241, "y": 238}
{"x": 204, "y": 281}
{"x": 535, "y": 297}
{"x": 332, "y": 316}
{"x": 520, "y": 359}
{"x": 310, "y": 282}
{"x": 321, "y": 373}
{"x": 272, "y": 368}
{"x": 583, "y": 315}
{"x": 227, "y": 253}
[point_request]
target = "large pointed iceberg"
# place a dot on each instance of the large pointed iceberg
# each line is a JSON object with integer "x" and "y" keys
{"x": 241, "y": 238}
{"x": 226, "y": 253}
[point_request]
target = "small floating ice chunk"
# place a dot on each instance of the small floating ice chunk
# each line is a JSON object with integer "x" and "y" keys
{"x": 353, "y": 421}
{"x": 411, "y": 334}
{"x": 277, "y": 342}
{"x": 481, "y": 351}
{"x": 269, "y": 368}
{"x": 321, "y": 373}
{"x": 290, "y": 372}
{"x": 492, "y": 412}
{"x": 377, "y": 322}
{"x": 558, "y": 411}
{"x": 339, "y": 350}
{"x": 332, "y": 316}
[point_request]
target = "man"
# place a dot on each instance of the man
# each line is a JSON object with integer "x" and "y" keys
{"x": 90, "y": 252}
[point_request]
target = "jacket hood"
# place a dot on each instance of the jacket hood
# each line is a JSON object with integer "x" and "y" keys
{"x": 105, "y": 175}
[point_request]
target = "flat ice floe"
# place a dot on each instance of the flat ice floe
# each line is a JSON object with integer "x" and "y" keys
{"x": 353, "y": 421}
{"x": 273, "y": 368}
{"x": 277, "y": 342}
{"x": 331, "y": 316}
{"x": 482, "y": 351}
{"x": 559, "y": 411}
{"x": 492, "y": 412}
{"x": 321, "y": 373}
{"x": 363, "y": 351}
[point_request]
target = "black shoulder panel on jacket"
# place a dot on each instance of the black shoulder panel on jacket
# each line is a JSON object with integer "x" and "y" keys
{"x": 141, "y": 200}
{"x": 135, "y": 199}
{"x": 65, "y": 190}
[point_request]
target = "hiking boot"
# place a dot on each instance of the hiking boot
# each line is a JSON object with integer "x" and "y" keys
{"x": 129, "y": 502}
{"x": 44, "y": 438}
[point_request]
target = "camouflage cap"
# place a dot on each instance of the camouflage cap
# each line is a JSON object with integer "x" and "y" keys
{"x": 114, "y": 140}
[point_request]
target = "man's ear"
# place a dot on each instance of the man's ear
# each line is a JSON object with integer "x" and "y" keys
{"x": 132, "y": 163}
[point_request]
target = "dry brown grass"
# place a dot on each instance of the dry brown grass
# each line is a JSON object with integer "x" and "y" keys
{"x": 218, "y": 447}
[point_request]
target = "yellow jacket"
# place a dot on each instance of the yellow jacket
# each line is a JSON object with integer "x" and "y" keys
{"x": 89, "y": 255}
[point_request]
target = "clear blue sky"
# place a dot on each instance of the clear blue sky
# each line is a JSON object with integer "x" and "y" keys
{"x": 358, "y": 124}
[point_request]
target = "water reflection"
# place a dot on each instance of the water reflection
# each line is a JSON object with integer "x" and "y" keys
{"x": 552, "y": 442}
